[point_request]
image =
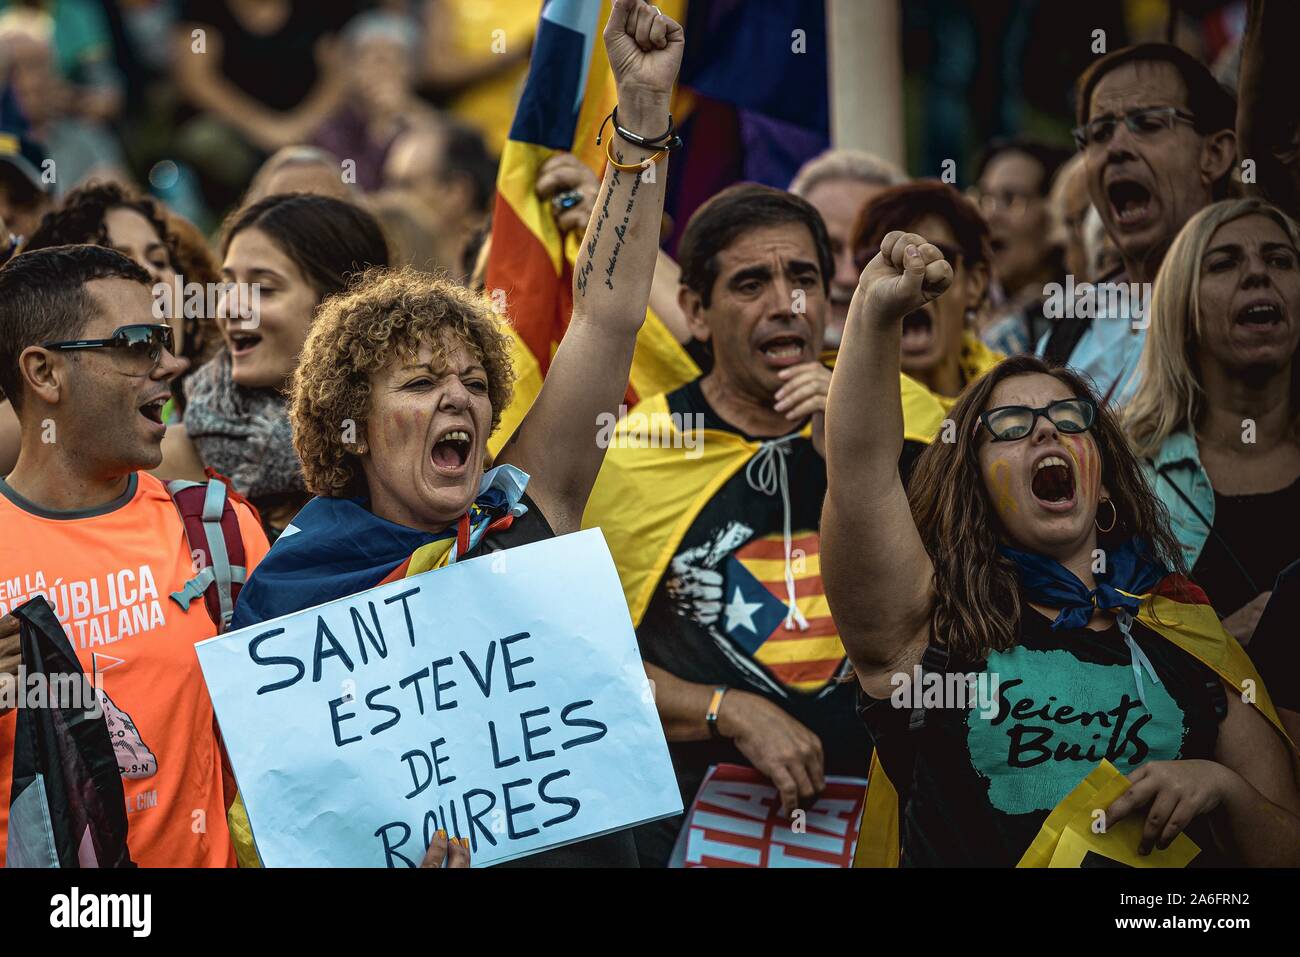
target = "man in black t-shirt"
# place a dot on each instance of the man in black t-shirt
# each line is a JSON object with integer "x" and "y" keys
{"x": 733, "y": 623}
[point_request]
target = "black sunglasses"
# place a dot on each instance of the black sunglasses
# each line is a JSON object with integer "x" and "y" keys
{"x": 140, "y": 340}
{"x": 1008, "y": 423}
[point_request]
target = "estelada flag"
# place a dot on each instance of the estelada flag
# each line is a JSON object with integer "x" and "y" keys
{"x": 569, "y": 92}
{"x": 66, "y": 805}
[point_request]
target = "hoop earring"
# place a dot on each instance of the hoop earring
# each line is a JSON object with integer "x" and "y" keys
{"x": 1114, "y": 516}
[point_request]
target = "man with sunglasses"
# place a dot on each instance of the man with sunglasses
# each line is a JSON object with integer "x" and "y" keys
{"x": 1156, "y": 133}
{"x": 82, "y": 524}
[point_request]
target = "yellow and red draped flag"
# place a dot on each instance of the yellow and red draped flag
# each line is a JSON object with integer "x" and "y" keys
{"x": 569, "y": 92}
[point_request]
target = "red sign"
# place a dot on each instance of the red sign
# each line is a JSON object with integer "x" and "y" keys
{"x": 736, "y": 821}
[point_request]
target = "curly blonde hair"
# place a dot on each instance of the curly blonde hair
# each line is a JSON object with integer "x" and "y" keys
{"x": 383, "y": 315}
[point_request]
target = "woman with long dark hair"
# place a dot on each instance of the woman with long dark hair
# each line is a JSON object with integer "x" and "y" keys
{"x": 1030, "y": 557}
{"x": 282, "y": 257}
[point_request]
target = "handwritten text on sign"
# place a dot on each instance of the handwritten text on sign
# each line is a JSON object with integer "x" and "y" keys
{"x": 502, "y": 699}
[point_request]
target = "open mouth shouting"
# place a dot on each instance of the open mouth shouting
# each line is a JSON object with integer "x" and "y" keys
{"x": 1052, "y": 483}
{"x": 451, "y": 452}
{"x": 918, "y": 332}
{"x": 242, "y": 343}
{"x": 784, "y": 349}
{"x": 1132, "y": 204}
{"x": 1260, "y": 315}
{"x": 153, "y": 409}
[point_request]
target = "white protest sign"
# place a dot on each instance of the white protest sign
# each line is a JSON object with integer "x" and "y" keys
{"x": 501, "y": 698}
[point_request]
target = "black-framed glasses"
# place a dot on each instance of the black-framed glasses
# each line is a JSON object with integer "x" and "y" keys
{"x": 1140, "y": 123}
{"x": 141, "y": 341}
{"x": 1007, "y": 423}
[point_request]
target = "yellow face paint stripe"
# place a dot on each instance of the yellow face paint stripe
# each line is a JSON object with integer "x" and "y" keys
{"x": 1000, "y": 475}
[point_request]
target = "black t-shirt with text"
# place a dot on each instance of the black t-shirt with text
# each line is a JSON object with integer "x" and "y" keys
{"x": 976, "y": 783}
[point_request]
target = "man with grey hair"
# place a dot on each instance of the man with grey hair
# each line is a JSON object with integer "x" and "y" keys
{"x": 838, "y": 183}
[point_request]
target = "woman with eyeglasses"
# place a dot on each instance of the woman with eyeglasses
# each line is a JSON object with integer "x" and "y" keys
{"x": 1031, "y": 569}
{"x": 939, "y": 346}
{"x": 1216, "y": 416}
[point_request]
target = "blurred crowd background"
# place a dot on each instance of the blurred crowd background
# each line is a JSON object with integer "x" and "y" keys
{"x": 188, "y": 99}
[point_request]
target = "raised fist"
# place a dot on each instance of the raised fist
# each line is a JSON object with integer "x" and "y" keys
{"x": 645, "y": 52}
{"x": 907, "y": 273}
{"x": 694, "y": 583}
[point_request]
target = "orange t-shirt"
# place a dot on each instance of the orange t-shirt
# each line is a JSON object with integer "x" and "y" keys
{"x": 108, "y": 574}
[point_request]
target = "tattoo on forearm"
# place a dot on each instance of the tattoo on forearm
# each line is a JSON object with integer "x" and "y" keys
{"x": 621, "y": 230}
{"x": 586, "y": 269}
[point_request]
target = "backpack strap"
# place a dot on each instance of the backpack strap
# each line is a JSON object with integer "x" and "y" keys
{"x": 211, "y": 523}
{"x": 934, "y": 660}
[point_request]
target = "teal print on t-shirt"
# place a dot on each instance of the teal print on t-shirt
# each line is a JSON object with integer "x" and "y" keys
{"x": 1057, "y": 718}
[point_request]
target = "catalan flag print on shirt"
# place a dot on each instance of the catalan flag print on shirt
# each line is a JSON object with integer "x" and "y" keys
{"x": 725, "y": 611}
{"x": 756, "y": 609}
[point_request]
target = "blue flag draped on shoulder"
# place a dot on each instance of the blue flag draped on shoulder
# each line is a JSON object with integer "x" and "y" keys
{"x": 337, "y": 547}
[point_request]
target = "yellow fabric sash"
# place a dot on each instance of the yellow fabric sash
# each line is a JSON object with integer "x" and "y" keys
{"x": 241, "y": 834}
{"x": 652, "y": 486}
{"x": 976, "y": 359}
